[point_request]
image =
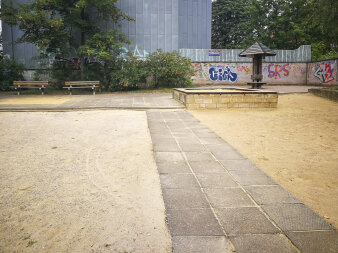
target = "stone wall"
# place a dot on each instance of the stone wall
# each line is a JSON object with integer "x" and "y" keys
{"x": 227, "y": 100}
{"x": 325, "y": 93}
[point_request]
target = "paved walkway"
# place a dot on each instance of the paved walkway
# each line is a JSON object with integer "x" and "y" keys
{"x": 218, "y": 201}
{"x": 105, "y": 101}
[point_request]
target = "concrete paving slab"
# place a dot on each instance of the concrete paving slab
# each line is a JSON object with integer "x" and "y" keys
{"x": 199, "y": 156}
{"x": 201, "y": 167}
{"x": 201, "y": 244}
{"x": 245, "y": 220}
{"x": 193, "y": 222}
{"x": 269, "y": 243}
{"x": 208, "y": 140}
{"x": 187, "y": 140}
{"x": 213, "y": 180}
{"x": 184, "y": 198}
{"x": 166, "y": 147}
{"x": 315, "y": 241}
{"x": 178, "y": 181}
{"x": 244, "y": 165}
{"x": 173, "y": 167}
{"x": 231, "y": 154}
{"x": 296, "y": 217}
{"x": 228, "y": 197}
{"x": 187, "y": 147}
{"x": 272, "y": 194}
{"x": 252, "y": 177}
{"x": 169, "y": 157}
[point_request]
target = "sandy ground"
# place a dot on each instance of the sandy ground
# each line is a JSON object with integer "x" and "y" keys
{"x": 296, "y": 144}
{"x": 35, "y": 100}
{"x": 79, "y": 182}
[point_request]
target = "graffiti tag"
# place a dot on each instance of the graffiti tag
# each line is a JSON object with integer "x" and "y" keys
{"x": 324, "y": 72}
{"x": 218, "y": 73}
{"x": 275, "y": 70}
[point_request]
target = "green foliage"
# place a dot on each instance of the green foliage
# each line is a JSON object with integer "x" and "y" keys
{"x": 10, "y": 71}
{"x": 169, "y": 69}
{"x": 228, "y": 18}
{"x": 282, "y": 24}
{"x": 132, "y": 73}
{"x": 54, "y": 27}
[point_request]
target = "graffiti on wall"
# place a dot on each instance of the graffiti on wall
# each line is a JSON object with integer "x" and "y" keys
{"x": 277, "y": 71}
{"x": 136, "y": 52}
{"x": 324, "y": 72}
{"x": 240, "y": 73}
{"x": 220, "y": 73}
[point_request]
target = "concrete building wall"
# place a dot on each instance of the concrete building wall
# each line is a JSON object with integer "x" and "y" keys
{"x": 159, "y": 24}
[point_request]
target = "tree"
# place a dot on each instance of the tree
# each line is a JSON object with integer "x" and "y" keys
{"x": 68, "y": 29}
{"x": 278, "y": 23}
{"x": 228, "y": 18}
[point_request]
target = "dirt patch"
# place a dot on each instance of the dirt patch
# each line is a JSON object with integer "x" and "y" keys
{"x": 79, "y": 182}
{"x": 296, "y": 144}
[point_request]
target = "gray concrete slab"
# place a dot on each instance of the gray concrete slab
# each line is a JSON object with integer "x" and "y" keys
{"x": 166, "y": 147}
{"x": 216, "y": 180}
{"x": 269, "y": 243}
{"x": 201, "y": 244}
{"x": 199, "y": 156}
{"x": 173, "y": 167}
{"x": 272, "y": 194}
{"x": 201, "y": 167}
{"x": 296, "y": 217}
{"x": 252, "y": 177}
{"x": 169, "y": 157}
{"x": 240, "y": 165}
{"x": 184, "y": 198}
{"x": 245, "y": 220}
{"x": 315, "y": 241}
{"x": 193, "y": 222}
{"x": 178, "y": 181}
{"x": 228, "y": 197}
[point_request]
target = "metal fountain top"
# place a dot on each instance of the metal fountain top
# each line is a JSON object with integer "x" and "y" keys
{"x": 257, "y": 48}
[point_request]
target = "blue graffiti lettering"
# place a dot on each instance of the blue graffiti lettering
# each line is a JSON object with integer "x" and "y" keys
{"x": 213, "y": 74}
{"x": 218, "y": 73}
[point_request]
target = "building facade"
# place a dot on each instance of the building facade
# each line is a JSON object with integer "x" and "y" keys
{"x": 159, "y": 24}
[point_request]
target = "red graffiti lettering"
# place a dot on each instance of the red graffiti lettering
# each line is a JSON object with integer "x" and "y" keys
{"x": 324, "y": 73}
{"x": 285, "y": 70}
{"x": 275, "y": 70}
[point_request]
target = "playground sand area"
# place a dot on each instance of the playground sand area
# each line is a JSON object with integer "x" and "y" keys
{"x": 79, "y": 182}
{"x": 296, "y": 144}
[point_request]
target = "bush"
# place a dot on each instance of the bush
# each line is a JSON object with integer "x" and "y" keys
{"x": 10, "y": 71}
{"x": 169, "y": 69}
{"x": 132, "y": 73}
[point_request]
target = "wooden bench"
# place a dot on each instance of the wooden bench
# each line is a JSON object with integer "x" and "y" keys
{"x": 82, "y": 85}
{"x": 41, "y": 85}
{"x": 256, "y": 85}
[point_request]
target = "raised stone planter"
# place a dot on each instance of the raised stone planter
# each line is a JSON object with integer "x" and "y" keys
{"x": 223, "y": 98}
{"x": 325, "y": 93}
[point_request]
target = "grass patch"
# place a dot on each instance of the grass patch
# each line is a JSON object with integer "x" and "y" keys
{"x": 331, "y": 88}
